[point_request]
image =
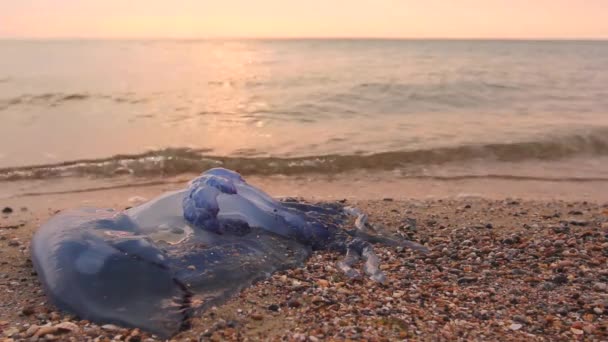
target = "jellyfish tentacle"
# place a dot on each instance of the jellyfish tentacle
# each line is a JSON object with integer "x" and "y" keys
{"x": 372, "y": 265}
{"x": 358, "y": 249}
{"x": 361, "y": 222}
{"x": 364, "y": 232}
{"x": 346, "y": 265}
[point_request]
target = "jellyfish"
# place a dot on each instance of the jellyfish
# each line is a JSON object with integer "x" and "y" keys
{"x": 155, "y": 265}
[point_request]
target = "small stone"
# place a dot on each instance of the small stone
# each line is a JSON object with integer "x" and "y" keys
{"x": 31, "y": 330}
{"x": 110, "y": 327}
{"x": 467, "y": 280}
{"x": 27, "y": 311}
{"x": 191, "y": 267}
{"x": 67, "y": 327}
{"x": 11, "y": 331}
{"x": 14, "y": 243}
{"x": 7, "y": 210}
{"x": 600, "y": 286}
{"x": 133, "y": 338}
{"x": 317, "y": 300}
{"x": 398, "y": 294}
{"x": 576, "y": 331}
{"x": 589, "y": 329}
{"x": 46, "y": 330}
{"x": 598, "y": 310}
{"x": 294, "y": 303}
{"x": 515, "y": 326}
{"x": 520, "y": 319}
{"x": 579, "y": 223}
{"x": 323, "y": 283}
{"x": 256, "y": 316}
{"x": 548, "y": 286}
{"x": 54, "y": 316}
{"x": 273, "y": 307}
{"x": 219, "y": 325}
{"x": 560, "y": 279}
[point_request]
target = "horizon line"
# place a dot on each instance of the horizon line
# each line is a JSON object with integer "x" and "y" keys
{"x": 150, "y": 38}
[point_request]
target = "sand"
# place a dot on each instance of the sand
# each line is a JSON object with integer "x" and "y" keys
{"x": 499, "y": 269}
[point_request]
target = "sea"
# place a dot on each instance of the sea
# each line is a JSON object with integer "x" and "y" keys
{"x": 510, "y": 109}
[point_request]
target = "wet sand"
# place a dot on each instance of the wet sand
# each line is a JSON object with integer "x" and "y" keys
{"x": 499, "y": 269}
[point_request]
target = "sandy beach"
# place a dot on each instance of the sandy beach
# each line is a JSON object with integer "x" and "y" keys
{"x": 501, "y": 268}
{"x": 476, "y": 129}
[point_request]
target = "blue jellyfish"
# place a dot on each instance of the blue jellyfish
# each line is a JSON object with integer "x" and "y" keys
{"x": 155, "y": 265}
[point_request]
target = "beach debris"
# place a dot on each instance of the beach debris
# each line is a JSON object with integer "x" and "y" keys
{"x": 158, "y": 263}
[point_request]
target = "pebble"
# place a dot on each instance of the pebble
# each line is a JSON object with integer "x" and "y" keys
{"x": 467, "y": 280}
{"x": 576, "y": 331}
{"x": 54, "y": 316}
{"x": 68, "y": 326}
{"x": 579, "y": 223}
{"x": 548, "y": 286}
{"x": 27, "y": 311}
{"x": 46, "y": 330}
{"x": 11, "y": 331}
{"x": 7, "y": 210}
{"x": 515, "y": 326}
{"x": 323, "y": 283}
{"x": 560, "y": 279}
{"x": 110, "y": 327}
{"x": 31, "y": 330}
{"x": 600, "y": 286}
{"x": 294, "y": 303}
{"x": 520, "y": 319}
{"x": 398, "y": 294}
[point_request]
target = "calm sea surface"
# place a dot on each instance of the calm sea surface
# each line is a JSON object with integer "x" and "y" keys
{"x": 510, "y": 108}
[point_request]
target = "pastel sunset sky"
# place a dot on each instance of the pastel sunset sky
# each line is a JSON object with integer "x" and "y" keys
{"x": 304, "y": 18}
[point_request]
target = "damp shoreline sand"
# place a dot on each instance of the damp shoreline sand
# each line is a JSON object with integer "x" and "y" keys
{"x": 515, "y": 261}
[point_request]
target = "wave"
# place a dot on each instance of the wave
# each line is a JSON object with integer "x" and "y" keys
{"x": 175, "y": 161}
{"x": 55, "y": 99}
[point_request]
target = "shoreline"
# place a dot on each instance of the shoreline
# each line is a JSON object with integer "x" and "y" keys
{"x": 534, "y": 266}
{"x": 363, "y": 185}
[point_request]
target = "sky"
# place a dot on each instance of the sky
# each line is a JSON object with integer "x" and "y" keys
{"x": 520, "y": 19}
